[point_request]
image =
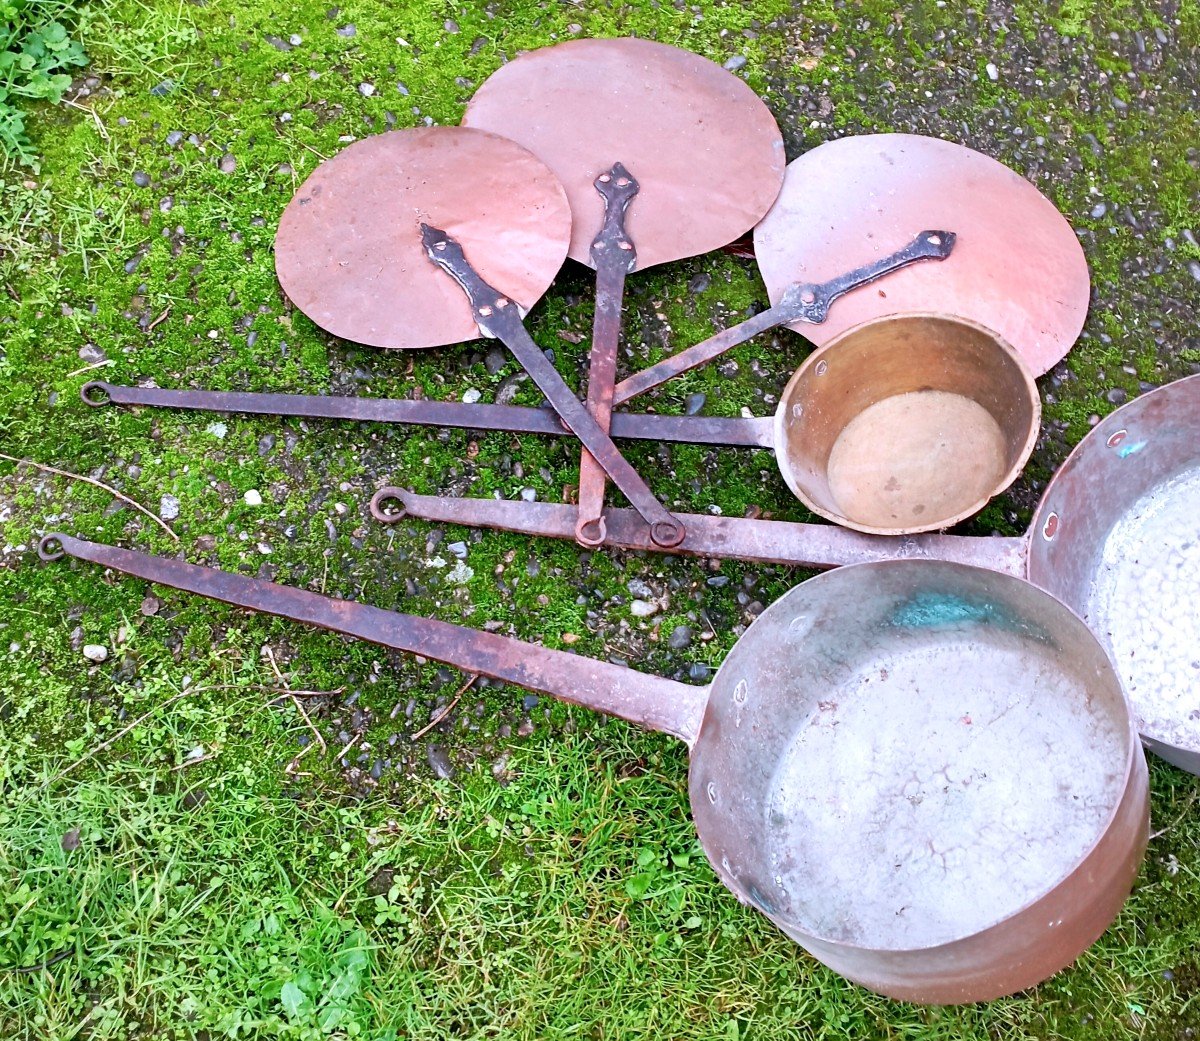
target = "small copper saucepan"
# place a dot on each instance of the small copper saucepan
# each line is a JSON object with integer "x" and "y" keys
{"x": 906, "y": 423}
{"x": 924, "y": 773}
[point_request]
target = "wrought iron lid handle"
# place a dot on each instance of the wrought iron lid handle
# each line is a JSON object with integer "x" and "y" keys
{"x": 810, "y": 301}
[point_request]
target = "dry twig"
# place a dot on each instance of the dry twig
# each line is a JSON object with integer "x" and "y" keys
{"x": 445, "y": 713}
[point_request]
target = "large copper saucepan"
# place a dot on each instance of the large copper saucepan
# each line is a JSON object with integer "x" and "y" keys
{"x": 924, "y": 773}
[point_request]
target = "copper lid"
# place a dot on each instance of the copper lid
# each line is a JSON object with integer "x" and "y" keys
{"x": 349, "y": 254}
{"x": 704, "y": 148}
{"x": 1017, "y": 267}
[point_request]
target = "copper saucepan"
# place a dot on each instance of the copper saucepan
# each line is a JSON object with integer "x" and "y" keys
{"x": 924, "y": 773}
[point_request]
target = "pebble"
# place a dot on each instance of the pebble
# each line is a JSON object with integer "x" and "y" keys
{"x": 162, "y": 89}
{"x": 681, "y": 637}
{"x": 89, "y": 352}
{"x": 697, "y": 671}
{"x": 694, "y": 403}
{"x": 348, "y": 30}
{"x": 218, "y": 429}
{"x": 439, "y": 762}
{"x": 278, "y": 44}
{"x": 1099, "y": 210}
{"x": 529, "y": 702}
{"x": 993, "y": 73}
{"x": 639, "y": 588}
{"x": 141, "y": 178}
{"x": 529, "y": 494}
{"x": 495, "y": 361}
{"x": 700, "y": 283}
{"x": 526, "y": 728}
{"x": 717, "y": 581}
{"x": 1117, "y": 396}
{"x": 642, "y": 608}
{"x": 450, "y": 25}
{"x": 151, "y": 605}
{"x": 253, "y": 497}
{"x": 459, "y": 549}
{"x": 174, "y": 138}
{"x": 168, "y": 507}
{"x": 738, "y": 61}
{"x": 366, "y": 89}
{"x": 228, "y": 163}
{"x": 471, "y": 396}
{"x": 1194, "y": 269}
{"x": 95, "y": 652}
{"x": 295, "y": 39}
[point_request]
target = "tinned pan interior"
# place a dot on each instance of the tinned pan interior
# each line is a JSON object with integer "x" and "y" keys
{"x": 966, "y": 423}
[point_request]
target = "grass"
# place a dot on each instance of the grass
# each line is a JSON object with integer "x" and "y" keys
{"x": 232, "y": 880}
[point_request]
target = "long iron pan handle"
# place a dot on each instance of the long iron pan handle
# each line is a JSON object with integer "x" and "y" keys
{"x": 499, "y": 316}
{"x": 802, "y": 302}
{"x": 740, "y": 538}
{"x": 614, "y": 255}
{"x": 517, "y": 419}
{"x": 649, "y": 701}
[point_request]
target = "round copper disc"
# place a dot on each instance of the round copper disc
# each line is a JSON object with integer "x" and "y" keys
{"x": 1017, "y": 267}
{"x": 704, "y": 149}
{"x": 348, "y": 252}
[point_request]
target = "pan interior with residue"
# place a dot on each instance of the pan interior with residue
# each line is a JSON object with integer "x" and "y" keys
{"x": 912, "y": 761}
{"x": 1117, "y": 538}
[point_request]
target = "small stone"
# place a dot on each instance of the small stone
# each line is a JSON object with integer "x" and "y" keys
{"x": 993, "y": 73}
{"x": 526, "y": 728}
{"x": 459, "y": 549}
{"x": 700, "y": 283}
{"x": 717, "y": 581}
{"x": 278, "y": 44}
{"x": 218, "y": 430}
{"x": 228, "y": 163}
{"x": 529, "y": 494}
{"x": 402, "y": 88}
{"x": 697, "y": 671}
{"x": 70, "y": 840}
{"x": 174, "y": 138}
{"x": 348, "y": 30}
{"x": 642, "y": 608}
{"x": 570, "y": 638}
{"x": 738, "y": 61}
{"x": 295, "y": 39}
{"x": 450, "y": 25}
{"x": 151, "y": 605}
{"x": 366, "y": 89}
{"x": 168, "y": 507}
{"x": 89, "y": 352}
{"x": 1099, "y": 210}
{"x": 162, "y": 89}
{"x": 95, "y": 652}
{"x": 529, "y": 702}
{"x": 639, "y": 588}
{"x": 133, "y": 263}
{"x": 495, "y": 361}
{"x": 1194, "y": 269}
{"x": 471, "y": 396}
{"x": 253, "y": 497}
{"x": 681, "y": 637}
{"x": 1117, "y": 396}
{"x": 141, "y": 178}
{"x": 265, "y": 444}
{"x": 439, "y": 762}
{"x": 694, "y": 403}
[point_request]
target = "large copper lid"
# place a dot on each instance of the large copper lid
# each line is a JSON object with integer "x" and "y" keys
{"x": 1017, "y": 267}
{"x": 703, "y": 147}
{"x": 349, "y": 252}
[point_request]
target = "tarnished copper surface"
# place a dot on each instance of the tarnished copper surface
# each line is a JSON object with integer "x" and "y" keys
{"x": 348, "y": 252}
{"x": 1017, "y": 266}
{"x": 905, "y": 424}
{"x": 869, "y": 767}
{"x": 705, "y": 150}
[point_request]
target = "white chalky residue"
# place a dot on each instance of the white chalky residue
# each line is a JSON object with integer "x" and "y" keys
{"x": 976, "y": 798}
{"x": 1143, "y": 608}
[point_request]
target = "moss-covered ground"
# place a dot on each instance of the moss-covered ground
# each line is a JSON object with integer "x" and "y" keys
{"x": 180, "y": 854}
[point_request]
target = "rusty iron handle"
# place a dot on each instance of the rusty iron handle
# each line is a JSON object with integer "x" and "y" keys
{"x": 802, "y": 302}
{"x": 499, "y": 317}
{"x": 614, "y": 255}
{"x": 518, "y": 419}
{"x": 741, "y": 538}
{"x": 650, "y": 701}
